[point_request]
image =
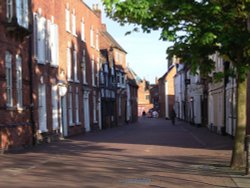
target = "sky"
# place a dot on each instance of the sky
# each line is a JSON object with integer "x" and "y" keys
{"x": 146, "y": 54}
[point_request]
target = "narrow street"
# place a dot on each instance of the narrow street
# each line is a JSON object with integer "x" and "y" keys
{"x": 150, "y": 153}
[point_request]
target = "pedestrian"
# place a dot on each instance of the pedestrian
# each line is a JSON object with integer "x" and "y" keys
{"x": 143, "y": 113}
{"x": 172, "y": 116}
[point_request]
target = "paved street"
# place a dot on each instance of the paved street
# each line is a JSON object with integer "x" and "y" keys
{"x": 150, "y": 153}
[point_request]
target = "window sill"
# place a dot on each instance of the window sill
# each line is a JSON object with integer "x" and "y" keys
{"x": 77, "y": 81}
{"x": 70, "y": 80}
{"x": 78, "y": 123}
{"x": 72, "y": 124}
{"x": 42, "y": 131}
{"x": 54, "y": 66}
{"x": 10, "y": 108}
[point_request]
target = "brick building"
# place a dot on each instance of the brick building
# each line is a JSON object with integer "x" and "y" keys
{"x": 144, "y": 99}
{"x": 15, "y": 83}
{"x": 166, "y": 92}
{"x": 50, "y": 77}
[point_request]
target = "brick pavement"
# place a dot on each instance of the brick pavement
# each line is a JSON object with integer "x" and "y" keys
{"x": 150, "y": 153}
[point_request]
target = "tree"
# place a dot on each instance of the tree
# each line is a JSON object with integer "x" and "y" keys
{"x": 198, "y": 29}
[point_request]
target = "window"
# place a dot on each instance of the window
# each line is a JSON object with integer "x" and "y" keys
{"x": 77, "y": 105}
{"x": 53, "y": 45}
{"x": 75, "y": 65}
{"x": 8, "y": 72}
{"x": 39, "y": 38}
{"x": 19, "y": 86}
{"x": 98, "y": 70}
{"x": 42, "y": 111}
{"x": 91, "y": 36}
{"x": 84, "y": 66}
{"x": 54, "y": 107}
{"x": 93, "y": 71}
{"x": 97, "y": 41}
{"x": 9, "y": 9}
{"x": 82, "y": 30}
{"x": 22, "y": 13}
{"x": 70, "y": 106}
{"x": 67, "y": 18}
{"x": 69, "y": 65}
{"x": 73, "y": 17}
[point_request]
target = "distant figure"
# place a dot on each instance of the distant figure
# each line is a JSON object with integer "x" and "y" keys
{"x": 155, "y": 114}
{"x": 172, "y": 116}
{"x": 143, "y": 113}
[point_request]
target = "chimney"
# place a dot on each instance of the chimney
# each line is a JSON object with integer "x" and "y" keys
{"x": 97, "y": 11}
{"x": 104, "y": 28}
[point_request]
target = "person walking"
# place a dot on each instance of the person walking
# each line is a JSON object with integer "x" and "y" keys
{"x": 172, "y": 116}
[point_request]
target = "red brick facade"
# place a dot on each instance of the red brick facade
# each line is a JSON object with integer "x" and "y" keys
{"x": 15, "y": 125}
{"x": 60, "y": 63}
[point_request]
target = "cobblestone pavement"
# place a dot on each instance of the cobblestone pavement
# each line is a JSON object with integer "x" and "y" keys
{"x": 151, "y": 153}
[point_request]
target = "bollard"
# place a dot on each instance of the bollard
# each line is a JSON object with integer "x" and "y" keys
{"x": 247, "y": 154}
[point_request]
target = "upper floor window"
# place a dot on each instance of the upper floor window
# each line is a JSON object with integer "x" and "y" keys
{"x": 53, "y": 44}
{"x": 67, "y": 18}
{"x": 75, "y": 65}
{"x": 84, "y": 72}
{"x": 39, "y": 38}
{"x": 69, "y": 63}
{"x": 19, "y": 87}
{"x": 8, "y": 72}
{"x": 97, "y": 41}
{"x": 91, "y": 36}
{"x": 82, "y": 30}
{"x": 9, "y": 9}
{"x": 93, "y": 70}
{"x": 73, "y": 17}
{"x": 22, "y": 13}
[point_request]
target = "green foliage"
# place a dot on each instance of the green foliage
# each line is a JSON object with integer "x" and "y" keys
{"x": 197, "y": 28}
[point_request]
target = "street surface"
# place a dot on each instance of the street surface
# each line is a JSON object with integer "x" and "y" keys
{"x": 151, "y": 153}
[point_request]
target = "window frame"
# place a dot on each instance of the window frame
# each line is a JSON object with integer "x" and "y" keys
{"x": 9, "y": 84}
{"x": 19, "y": 85}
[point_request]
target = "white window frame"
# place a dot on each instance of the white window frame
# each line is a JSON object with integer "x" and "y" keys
{"x": 8, "y": 71}
{"x": 83, "y": 30}
{"x": 54, "y": 98}
{"x": 77, "y": 106}
{"x": 75, "y": 65}
{"x": 40, "y": 38}
{"x": 19, "y": 85}
{"x": 70, "y": 106}
{"x": 92, "y": 36}
{"x": 73, "y": 20}
{"x": 54, "y": 45}
{"x": 67, "y": 18}
{"x": 93, "y": 70}
{"x": 9, "y": 9}
{"x": 97, "y": 41}
{"x": 69, "y": 63}
{"x": 84, "y": 67}
{"x": 42, "y": 108}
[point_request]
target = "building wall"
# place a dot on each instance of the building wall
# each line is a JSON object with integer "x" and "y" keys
{"x": 15, "y": 124}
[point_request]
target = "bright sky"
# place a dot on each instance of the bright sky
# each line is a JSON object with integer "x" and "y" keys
{"x": 146, "y": 53}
